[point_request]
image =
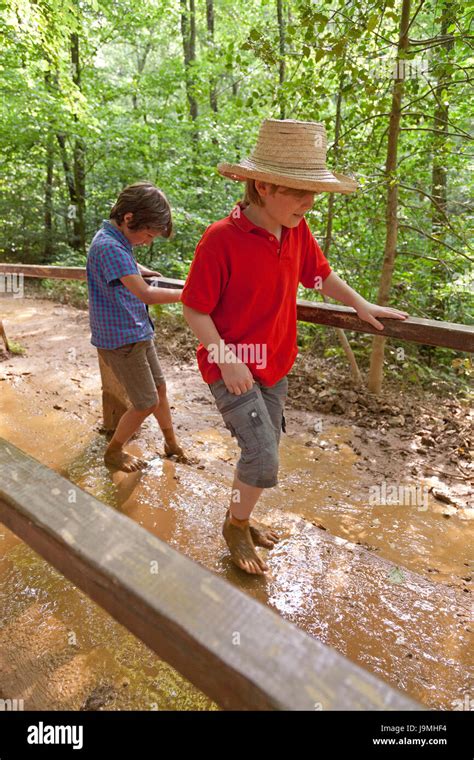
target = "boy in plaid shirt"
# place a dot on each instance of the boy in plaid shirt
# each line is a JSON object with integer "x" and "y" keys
{"x": 121, "y": 327}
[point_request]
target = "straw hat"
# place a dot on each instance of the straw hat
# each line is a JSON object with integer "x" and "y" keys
{"x": 292, "y": 154}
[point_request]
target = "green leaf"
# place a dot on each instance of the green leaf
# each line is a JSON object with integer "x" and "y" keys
{"x": 372, "y": 22}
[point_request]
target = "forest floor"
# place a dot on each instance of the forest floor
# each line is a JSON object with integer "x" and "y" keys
{"x": 405, "y": 429}
{"x": 341, "y": 442}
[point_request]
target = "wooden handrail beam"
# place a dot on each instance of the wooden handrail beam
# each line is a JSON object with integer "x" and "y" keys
{"x": 44, "y": 272}
{"x": 427, "y": 331}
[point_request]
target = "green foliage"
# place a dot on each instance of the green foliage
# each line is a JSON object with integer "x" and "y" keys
{"x": 130, "y": 108}
{"x": 16, "y": 348}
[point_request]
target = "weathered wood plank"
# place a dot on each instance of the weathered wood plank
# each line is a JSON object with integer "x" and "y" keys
{"x": 36, "y": 270}
{"x": 68, "y": 273}
{"x": 236, "y": 650}
{"x": 430, "y": 332}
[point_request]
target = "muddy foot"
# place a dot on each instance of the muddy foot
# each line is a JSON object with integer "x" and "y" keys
{"x": 262, "y": 536}
{"x": 242, "y": 549}
{"x": 178, "y": 452}
{"x": 120, "y": 460}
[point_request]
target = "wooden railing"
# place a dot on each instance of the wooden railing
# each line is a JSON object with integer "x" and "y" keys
{"x": 115, "y": 402}
{"x": 236, "y": 650}
{"x": 445, "y": 334}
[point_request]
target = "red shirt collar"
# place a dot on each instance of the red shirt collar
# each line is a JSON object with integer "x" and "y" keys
{"x": 241, "y": 221}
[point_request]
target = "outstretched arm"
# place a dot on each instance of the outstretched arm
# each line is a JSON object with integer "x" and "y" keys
{"x": 336, "y": 288}
{"x": 145, "y": 272}
{"x": 148, "y": 294}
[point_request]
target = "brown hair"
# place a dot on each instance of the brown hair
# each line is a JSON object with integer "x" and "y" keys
{"x": 253, "y": 196}
{"x": 149, "y": 206}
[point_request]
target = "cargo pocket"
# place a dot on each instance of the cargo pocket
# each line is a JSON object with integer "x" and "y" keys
{"x": 238, "y": 402}
{"x": 242, "y": 418}
{"x": 255, "y": 418}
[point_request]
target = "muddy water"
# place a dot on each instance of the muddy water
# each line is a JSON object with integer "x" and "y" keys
{"x": 59, "y": 649}
{"x": 422, "y": 537}
{"x": 363, "y": 581}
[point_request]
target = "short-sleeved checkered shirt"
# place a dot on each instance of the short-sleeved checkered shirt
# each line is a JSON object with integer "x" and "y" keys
{"x": 116, "y": 316}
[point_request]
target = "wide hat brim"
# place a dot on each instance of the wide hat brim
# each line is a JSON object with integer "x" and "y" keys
{"x": 314, "y": 180}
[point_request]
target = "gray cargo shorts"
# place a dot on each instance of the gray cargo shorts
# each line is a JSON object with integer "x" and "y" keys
{"x": 256, "y": 420}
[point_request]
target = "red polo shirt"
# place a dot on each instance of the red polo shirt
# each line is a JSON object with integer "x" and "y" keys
{"x": 247, "y": 281}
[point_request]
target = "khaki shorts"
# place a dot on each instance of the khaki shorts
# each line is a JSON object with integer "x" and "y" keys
{"x": 137, "y": 369}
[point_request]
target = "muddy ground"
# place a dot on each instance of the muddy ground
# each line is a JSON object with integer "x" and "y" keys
{"x": 388, "y": 585}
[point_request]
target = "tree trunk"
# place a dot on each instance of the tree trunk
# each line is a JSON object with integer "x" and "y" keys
{"x": 282, "y": 51}
{"x": 341, "y": 336}
{"x": 378, "y": 344}
{"x": 48, "y": 201}
{"x": 74, "y": 171}
{"x": 210, "y": 37}
{"x": 439, "y": 173}
{"x": 188, "y": 32}
{"x": 79, "y": 158}
{"x": 141, "y": 63}
{"x": 73, "y": 234}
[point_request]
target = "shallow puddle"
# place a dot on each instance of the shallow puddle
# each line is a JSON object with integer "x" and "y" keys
{"x": 62, "y": 651}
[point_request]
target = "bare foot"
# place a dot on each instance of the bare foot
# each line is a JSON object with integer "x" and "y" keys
{"x": 242, "y": 550}
{"x": 261, "y": 535}
{"x": 178, "y": 452}
{"x": 120, "y": 460}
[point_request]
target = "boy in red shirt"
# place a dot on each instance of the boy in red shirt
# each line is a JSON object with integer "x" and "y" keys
{"x": 240, "y": 301}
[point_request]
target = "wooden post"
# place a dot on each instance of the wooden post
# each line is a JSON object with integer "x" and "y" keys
{"x": 4, "y": 336}
{"x": 114, "y": 398}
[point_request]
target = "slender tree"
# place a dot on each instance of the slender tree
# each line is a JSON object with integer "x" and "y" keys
{"x": 79, "y": 171}
{"x": 188, "y": 33}
{"x": 439, "y": 175}
{"x": 391, "y": 214}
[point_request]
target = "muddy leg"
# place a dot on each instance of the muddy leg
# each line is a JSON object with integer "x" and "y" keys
{"x": 4, "y": 336}
{"x": 242, "y": 551}
{"x": 163, "y": 417}
{"x": 115, "y": 456}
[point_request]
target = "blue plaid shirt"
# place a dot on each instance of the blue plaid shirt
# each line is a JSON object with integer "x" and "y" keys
{"x": 116, "y": 316}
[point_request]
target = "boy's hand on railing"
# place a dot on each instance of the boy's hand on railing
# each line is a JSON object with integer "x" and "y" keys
{"x": 236, "y": 376}
{"x": 369, "y": 311}
{"x": 145, "y": 272}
